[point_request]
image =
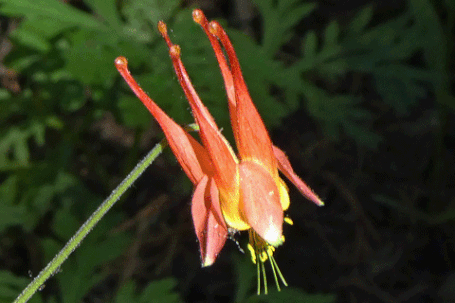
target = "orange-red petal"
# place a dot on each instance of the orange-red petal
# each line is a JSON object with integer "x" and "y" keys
{"x": 260, "y": 202}
{"x": 208, "y": 222}
{"x": 199, "y": 17}
{"x": 191, "y": 154}
{"x": 253, "y": 140}
{"x": 221, "y": 154}
{"x": 285, "y": 167}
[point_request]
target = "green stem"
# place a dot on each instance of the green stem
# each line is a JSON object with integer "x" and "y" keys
{"x": 85, "y": 229}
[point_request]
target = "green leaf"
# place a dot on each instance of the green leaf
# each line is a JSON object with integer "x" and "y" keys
{"x": 245, "y": 273}
{"x": 362, "y": 134}
{"x": 52, "y": 9}
{"x": 260, "y": 73}
{"x": 326, "y": 60}
{"x": 14, "y": 151}
{"x": 64, "y": 223}
{"x": 72, "y": 95}
{"x": 126, "y": 293}
{"x": 160, "y": 291}
{"x": 431, "y": 32}
{"x": 106, "y": 10}
{"x": 383, "y": 51}
{"x": 156, "y": 291}
{"x": 22, "y": 59}
{"x": 279, "y": 17}
{"x": 290, "y": 294}
{"x": 10, "y": 213}
{"x": 291, "y": 16}
{"x": 331, "y": 34}
{"x": 81, "y": 272}
{"x": 310, "y": 45}
{"x": 36, "y": 31}
{"x": 450, "y": 5}
{"x": 14, "y": 141}
{"x": 339, "y": 112}
{"x": 143, "y": 15}
{"x": 361, "y": 20}
{"x": 11, "y": 286}
{"x": 133, "y": 113}
{"x": 29, "y": 37}
{"x": 43, "y": 185}
{"x": 398, "y": 94}
{"x": 333, "y": 69}
{"x": 37, "y": 130}
{"x": 90, "y": 59}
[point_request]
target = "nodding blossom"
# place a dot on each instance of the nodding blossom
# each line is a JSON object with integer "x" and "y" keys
{"x": 231, "y": 192}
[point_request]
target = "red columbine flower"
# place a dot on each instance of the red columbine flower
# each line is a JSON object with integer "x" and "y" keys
{"x": 235, "y": 193}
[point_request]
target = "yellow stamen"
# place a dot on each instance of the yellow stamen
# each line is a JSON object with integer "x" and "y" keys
{"x": 288, "y": 221}
{"x": 262, "y": 251}
{"x": 284, "y": 194}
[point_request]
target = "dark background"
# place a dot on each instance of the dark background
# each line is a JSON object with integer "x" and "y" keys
{"x": 367, "y": 121}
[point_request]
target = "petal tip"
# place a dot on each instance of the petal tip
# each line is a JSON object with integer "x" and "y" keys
{"x": 208, "y": 261}
{"x": 316, "y": 200}
{"x": 162, "y": 28}
{"x": 198, "y": 16}
{"x": 273, "y": 235}
{"x": 120, "y": 61}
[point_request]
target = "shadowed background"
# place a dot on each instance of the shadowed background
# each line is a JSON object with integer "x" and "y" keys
{"x": 357, "y": 93}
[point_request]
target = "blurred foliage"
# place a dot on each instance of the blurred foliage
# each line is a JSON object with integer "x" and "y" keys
{"x": 64, "y": 56}
{"x": 245, "y": 293}
{"x": 158, "y": 291}
{"x": 11, "y": 286}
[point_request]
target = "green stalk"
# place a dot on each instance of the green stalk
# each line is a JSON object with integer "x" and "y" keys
{"x": 85, "y": 229}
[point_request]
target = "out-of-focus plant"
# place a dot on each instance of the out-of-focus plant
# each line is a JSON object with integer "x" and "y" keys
{"x": 381, "y": 51}
{"x": 245, "y": 292}
{"x": 64, "y": 56}
{"x": 156, "y": 291}
{"x": 436, "y": 35}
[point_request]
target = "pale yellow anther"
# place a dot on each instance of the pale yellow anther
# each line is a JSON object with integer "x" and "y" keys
{"x": 288, "y": 221}
{"x": 284, "y": 194}
{"x": 252, "y": 252}
{"x": 263, "y": 256}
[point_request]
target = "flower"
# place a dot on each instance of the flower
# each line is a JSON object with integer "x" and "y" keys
{"x": 243, "y": 192}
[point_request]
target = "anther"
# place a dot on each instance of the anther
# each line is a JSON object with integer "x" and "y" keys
{"x": 288, "y": 221}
